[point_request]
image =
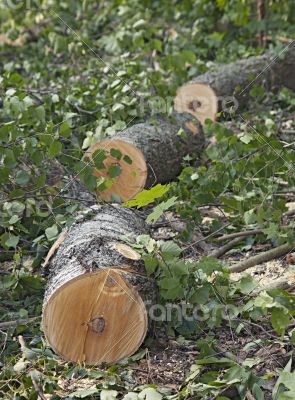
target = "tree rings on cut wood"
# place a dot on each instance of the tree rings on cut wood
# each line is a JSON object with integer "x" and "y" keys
{"x": 146, "y": 154}
{"x": 199, "y": 99}
{"x": 227, "y": 88}
{"x": 94, "y": 307}
{"x": 95, "y": 318}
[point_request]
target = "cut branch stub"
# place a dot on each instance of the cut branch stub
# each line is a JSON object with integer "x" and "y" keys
{"x": 146, "y": 154}
{"x": 94, "y": 306}
{"x": 228, "y": 87}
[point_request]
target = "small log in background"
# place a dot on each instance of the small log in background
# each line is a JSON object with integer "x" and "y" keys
{"x": 156, "y": 149}
{"x": 207, "y": 95}
{"x": 94, "y": 308}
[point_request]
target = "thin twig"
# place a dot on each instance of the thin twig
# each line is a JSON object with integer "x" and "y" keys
{"x": 241, "y": 234}
{"x": 37, "y": 387}
{"x": 9, "y": 324}
{"x": 21, "y": 341}
{"x": 206, "y": 237}
{"x": 224, "y": 249}
{"x": 250, "y": 232}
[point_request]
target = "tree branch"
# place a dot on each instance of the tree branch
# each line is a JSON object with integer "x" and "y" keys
{"x": 261, "y": 258}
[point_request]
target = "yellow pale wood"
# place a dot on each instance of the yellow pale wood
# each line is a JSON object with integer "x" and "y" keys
{"x": 94, "y": 318}
{"x": 127, "y": 251}
{"x": 133, "y": 177}
{"x": 197, "y": 99}
{"x": 53, "y": 249}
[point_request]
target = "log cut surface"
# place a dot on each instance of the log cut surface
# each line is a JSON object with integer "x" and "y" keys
{"x": 103, "y": 307}
{"x": 156, "y": 149}
{"x": 212, "y": 92}
{"x": 94, "y": 308}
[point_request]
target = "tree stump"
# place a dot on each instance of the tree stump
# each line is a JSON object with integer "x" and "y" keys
{"x": 213, "y": 92}
{"x": 94, "y": 306}
{"x": 154, "y": 149}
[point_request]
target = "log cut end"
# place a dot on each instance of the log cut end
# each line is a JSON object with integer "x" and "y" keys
{"x": 96, "y": 317}
{"x": 133, "y": 169}
{"x": 198, "y": 99}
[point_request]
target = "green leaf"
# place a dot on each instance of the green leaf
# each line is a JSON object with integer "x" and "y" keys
{"x": 201, "y": 295}
{"x": 169, "y": 283}
{"x": 150, "y": 263}
{"x": 39, "y": 113}
{"x": 55, "y": 148}
{"x": 214, "y": 360}
{"x": 55, "y": 98}
{"x": 246, "y": 138}
{"x": 247, "y": 284}
{"x": 209, "y": 265}
{"x": 170, "y": 249}
{"x": 83, "y": 393}
{"x": 12, "y": 241}
{"x": 65, "y": 129}
{"x": 257, "y": 392}
{"x": 131, "y": 396}
{"x": 98, "y": 158}
{"x": 271, "y": 231}
{"x": 14, "y": 219}
{"x": 108, "y": 394}
{"x": 51, "y": 232}
{"x": 147, "y": 196}
{"x": 149, "y": 394}
{"x": 160, "y": 208}
{"x": 127, "y": 159}
{"x": 285, "y": 380}
{"x": 178, "y": 267}
{"x": 280, "y": 320}
{"x": 114, "y": 171}
{"x": 7, "y": 282}
{"x": 116, "y": 153}
{"x": 22, "y": 178}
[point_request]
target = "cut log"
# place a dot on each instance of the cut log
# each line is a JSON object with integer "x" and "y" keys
{"x": 94, "y": 307}
{"x": 154, "y": 151}
{"x": 229, "y": 85}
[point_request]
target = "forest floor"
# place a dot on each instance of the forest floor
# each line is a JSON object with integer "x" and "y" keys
{"x": 72, "y": 74}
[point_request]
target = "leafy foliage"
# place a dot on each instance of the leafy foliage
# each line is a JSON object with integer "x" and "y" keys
{"x": 75, "y": 72}
{"x": 147, "y": 196}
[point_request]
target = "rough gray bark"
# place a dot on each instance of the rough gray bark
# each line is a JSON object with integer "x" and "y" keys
{"x": 269, "y": 69}
{"x": 162, "y": 146}
{"x": 89, "y": 246}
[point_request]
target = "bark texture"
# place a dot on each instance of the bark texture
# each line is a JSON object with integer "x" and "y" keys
{"x": 162, "y": 146}
{"x": 271, "y": 70}
{"x": 89, "y": 246}
{"x": 95, "y": 305}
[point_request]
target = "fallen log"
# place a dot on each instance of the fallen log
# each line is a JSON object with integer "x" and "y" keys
{"x": 261, "y": 258}
{"x": 147, "y": 153}
{"x": 229, "y": 85}
{"x": 94, "y": 305}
